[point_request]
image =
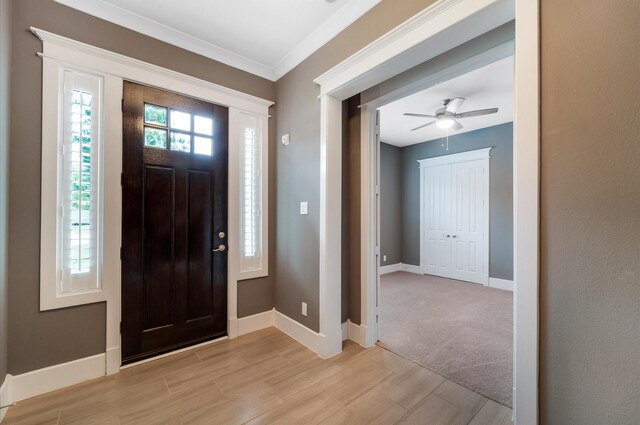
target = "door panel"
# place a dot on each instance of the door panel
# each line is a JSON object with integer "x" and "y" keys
{"x": 174, "y": 206}
{"x": 437, "y": 209}
{"x": 468, "y": 223}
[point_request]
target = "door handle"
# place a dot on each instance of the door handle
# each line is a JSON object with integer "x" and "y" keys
{"x": 220, "y": 248}
{"x": 446, "y": 236}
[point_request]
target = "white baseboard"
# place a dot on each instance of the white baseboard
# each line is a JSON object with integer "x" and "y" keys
{"x": 507, "y": 285}
{"x": 390, "y": 268}
{"x": 305, "y": 336}
{"x": 356, "y": 333}
{"x": 256, "y": 322}
{"x": 5, "y": 395}
{"x": 52, "y": 378}
{"x": 411, "y": 268}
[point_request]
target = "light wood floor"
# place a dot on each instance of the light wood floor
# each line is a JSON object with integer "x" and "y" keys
{"x": 266, "y": 378}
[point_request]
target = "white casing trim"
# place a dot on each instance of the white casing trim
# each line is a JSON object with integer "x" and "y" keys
{"x": 335, "y": 24}
{"x": 506, "y": 285}
{"x": 345, "y": 330}
{"x": 256, "y": 322}
{"x": 442, "y": 26}
{"x": 396, "y": 51}
{"x": 60, "y": 52}
{"x": 72, "y": 51}
{"x": 5, "y": 395}
{"x": 31, "y": 384}
{"x": 305, "y": 336}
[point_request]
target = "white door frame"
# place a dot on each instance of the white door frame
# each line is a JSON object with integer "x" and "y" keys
{"x": 59, "y": 52}
{"x": 457, "y": 158}
{"x": 440, "y": 27}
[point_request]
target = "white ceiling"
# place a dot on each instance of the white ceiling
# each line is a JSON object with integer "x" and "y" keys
{"x": 266, "y": 38}
{"x": 487, "y": 87}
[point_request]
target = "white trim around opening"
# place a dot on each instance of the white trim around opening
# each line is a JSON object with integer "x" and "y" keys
{"x": 442, "y": 26}
{"x": 60, "y": 52}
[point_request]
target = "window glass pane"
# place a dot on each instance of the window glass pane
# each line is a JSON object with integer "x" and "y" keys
{"x": 155, "y": 138}
{"x": 249, "y": 183}
{"x": 203, "y": 145}
{"x": 180, "y": 142}
{"x": 180, "y": 121}
{"x": 155, "y": 115}
{"x": 203, "y": 125}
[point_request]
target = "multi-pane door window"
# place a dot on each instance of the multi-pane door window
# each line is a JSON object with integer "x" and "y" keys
{"x": 250, "y": 193}
{"x": 180, "y": 131}
{"x": 79, "y": 176}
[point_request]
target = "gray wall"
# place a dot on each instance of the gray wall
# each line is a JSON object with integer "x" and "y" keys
{"x": 5, "y": 70}
{"x": 391, "y": 220}
{"x": 298, "y": 164}
{"x": 499, "y": 137}
{"x": 38, "y": 339}
{"x": 590, "y": 213}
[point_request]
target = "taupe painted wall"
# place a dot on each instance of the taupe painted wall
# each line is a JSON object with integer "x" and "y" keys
{"x": 391, "y": 219}
{"x": 351, "y": 210}
{"x": 500, "y": 137}
{"x": 298, "y": 164}
{"x": 37, "y": 339}
{"x": 590, "y": 217}
{"x": 5, "y": 70}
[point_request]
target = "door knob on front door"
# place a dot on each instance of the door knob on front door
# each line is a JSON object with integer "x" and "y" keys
{"x": 220, "y": 248}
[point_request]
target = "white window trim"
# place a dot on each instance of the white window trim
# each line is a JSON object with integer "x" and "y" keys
{"x": 61, "y": 51}
{"x": 235, "y": 194}
{"x": 51, "y": 234}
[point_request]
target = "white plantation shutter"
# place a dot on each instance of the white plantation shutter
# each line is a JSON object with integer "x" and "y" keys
{"x": 250, "y": 193}
{"x": 79, "y": 169}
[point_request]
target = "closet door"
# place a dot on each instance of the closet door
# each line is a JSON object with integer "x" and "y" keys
{"x": 468, "y": 221}
{"x": 437, "y": 220}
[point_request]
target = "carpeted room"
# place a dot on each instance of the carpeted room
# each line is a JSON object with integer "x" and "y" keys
{"x": 437, "y": 311}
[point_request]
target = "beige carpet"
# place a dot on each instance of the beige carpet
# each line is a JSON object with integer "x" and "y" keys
{"x": 459, "y": 330}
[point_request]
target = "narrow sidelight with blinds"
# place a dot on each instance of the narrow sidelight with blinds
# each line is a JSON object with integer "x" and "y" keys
{"x": 71, "y": 256}
{"x": 250, "y": 193}
{"x": 79, "y": 168}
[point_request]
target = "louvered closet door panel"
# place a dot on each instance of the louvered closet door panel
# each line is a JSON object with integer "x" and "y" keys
{"x": 468, "y": 219}
{"x": 437, "y": 210}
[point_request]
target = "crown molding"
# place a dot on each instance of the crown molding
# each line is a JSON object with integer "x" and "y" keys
{"x": 340, "y": 20}
{"x": 335, "y": 24}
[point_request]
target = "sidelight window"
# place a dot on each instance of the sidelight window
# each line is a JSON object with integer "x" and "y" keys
{"x": 71, "y": 183}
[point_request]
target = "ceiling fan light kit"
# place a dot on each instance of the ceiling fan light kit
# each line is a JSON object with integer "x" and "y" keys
{"x": 447, "y": 116}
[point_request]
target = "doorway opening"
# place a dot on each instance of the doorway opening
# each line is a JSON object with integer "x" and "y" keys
{"x": 446, "y": 239}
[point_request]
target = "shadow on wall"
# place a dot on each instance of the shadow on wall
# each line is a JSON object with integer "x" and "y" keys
{"x": 400, "y": 196}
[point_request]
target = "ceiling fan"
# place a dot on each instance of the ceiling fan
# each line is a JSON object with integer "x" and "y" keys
{"x": 447, "y": 116}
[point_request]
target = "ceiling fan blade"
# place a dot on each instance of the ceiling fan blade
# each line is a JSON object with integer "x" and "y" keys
{"x": 422, "y": 126}
{"x": 477, "y": 113}
{"x": 418, "y": 115}
{"x": 454, "y": 105}
{"x": 456, "y": 126}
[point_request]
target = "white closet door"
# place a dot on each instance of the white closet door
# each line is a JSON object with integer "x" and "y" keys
{"x": 467, "y": 231}
{"x": 437, "y": 220}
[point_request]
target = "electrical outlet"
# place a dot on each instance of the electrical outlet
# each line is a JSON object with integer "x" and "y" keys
{"x": 285, "y": 139}
{"x": 304, "y": 309}
{"x": 384, "y": 258}
{"x": 304, "y": 208}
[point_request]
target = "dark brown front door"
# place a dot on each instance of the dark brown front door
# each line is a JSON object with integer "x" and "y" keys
{"x": 174, "y": 192}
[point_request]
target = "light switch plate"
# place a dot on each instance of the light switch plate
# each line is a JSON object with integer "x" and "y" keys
{"x": 304, "y": 309}
{"x": 304, "y": 208}
{"x": 285, "y": 139}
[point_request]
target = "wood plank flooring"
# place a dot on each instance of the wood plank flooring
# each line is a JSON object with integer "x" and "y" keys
{"x": 265, "y": 378}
